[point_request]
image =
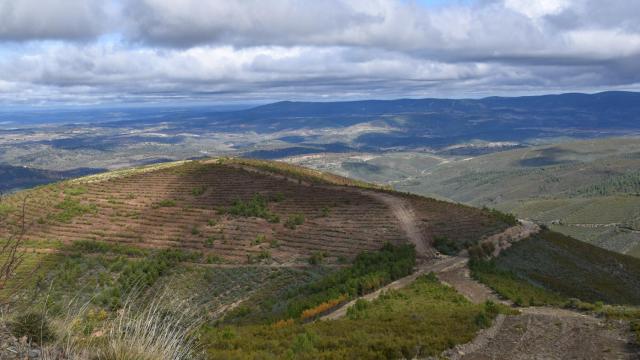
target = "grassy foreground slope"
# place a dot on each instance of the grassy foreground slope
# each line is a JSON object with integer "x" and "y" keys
{"x": 421, "y": 320}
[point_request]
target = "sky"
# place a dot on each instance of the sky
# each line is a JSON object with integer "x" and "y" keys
{"x": 97, "y": 52}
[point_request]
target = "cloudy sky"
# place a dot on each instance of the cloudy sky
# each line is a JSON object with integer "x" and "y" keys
{"x": 234, "y": 51}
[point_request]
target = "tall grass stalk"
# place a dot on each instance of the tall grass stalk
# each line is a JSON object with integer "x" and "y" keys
{"x": 160, "y": 329}
{"x": 155, "y": 329}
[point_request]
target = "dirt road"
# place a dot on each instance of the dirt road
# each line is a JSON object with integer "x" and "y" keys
{"x": 458, "y": 276}
{"x": 400, "y": 208}
{"x": 452, "y": 270}
{"x": 549, "y": 333}
{"x": 405, "y": 214}
{"x": 503, "y": 240}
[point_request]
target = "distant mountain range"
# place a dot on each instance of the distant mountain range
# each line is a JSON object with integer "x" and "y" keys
{"x": 437, "y": 123}
{"x": 597, "y": 103}
{"x": 120, "y": 137}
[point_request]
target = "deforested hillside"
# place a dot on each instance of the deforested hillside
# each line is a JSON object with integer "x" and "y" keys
{"x": 240, "y": 212}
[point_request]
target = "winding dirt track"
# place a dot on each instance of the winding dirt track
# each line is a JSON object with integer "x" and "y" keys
{"x": 400, "y": 208}
{"x": 405, "y": 214}
{"x": 452, "y": 270}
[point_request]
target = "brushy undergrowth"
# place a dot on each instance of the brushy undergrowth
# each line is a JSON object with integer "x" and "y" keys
{"x": 34, "y": 326}
{"x": 101, "y": 273}
{"x": 513, "y": 276}
{"x": 368, "y": 272}
{"x": 510, "y": 286}
{"x": 421, "y": 320}
{"x": 567, "y": 267}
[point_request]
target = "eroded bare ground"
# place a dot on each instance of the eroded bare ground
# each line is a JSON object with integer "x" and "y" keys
{"x": 405, "y": 214}
{"x": 547, "y": 333}
{"x": 458, "y": 276}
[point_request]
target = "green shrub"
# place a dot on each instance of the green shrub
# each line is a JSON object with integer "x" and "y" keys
{"x": 369, "y": 271}
{"x": 75, "y": 191}
{"x": 572, "y": 269}
{"x": 512, "y": 287}
{"x": 214, "y": 259}
{"x": 257, "y": 206}
{"x": 488, "y": 248}
{"x": 304, "y": 343}
{"x": 198, "y": 190}
{"x": 5, "y": 209}
{"x": 165, "y": 203}
{"x": 358, "y": 310}
{"x": 419, "y": 321}
{"x": 277, "y": 197}
{"x": 506, "y": 218}
{"x": 102, "y": 247}
{"x": 72, "y": 208}
{"x": 476, "y": 253}
{"x": 316, "y": 258}
{"x": 482, "y": 320}
{"x": 209, "y": 241}
{"x": 446, "y": 246}
{"x": 141, "y": 274}
{"x": 635, "y": 328}
{"x": 260, "y": 238}
{"x": 34, "y": 326}
{"x": 294, "y": 221}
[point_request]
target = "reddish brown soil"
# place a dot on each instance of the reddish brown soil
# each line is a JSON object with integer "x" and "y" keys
{"x": 127, "y": 212}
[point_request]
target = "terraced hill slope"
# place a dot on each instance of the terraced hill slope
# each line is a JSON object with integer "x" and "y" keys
{"x": 239, "y": 210}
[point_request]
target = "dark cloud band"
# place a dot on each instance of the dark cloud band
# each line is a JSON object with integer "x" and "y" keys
{"x": 297, "y": 48}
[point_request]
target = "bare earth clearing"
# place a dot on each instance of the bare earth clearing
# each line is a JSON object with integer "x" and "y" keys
{"x": 547, "y": 333}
